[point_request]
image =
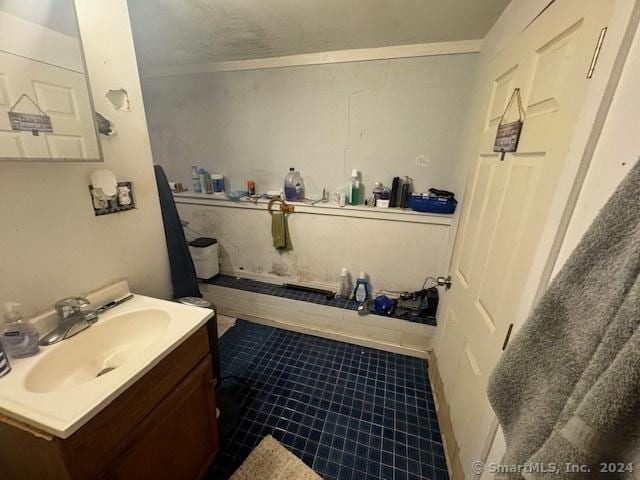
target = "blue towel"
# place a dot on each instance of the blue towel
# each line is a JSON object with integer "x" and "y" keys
{"x": 183, "y": 272}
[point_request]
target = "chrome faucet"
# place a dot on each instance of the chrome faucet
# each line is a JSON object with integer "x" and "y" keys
{"x": 72, "y": 319}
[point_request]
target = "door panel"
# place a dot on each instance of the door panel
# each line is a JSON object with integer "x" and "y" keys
{"x": 552, "y": 63}
{"x": 507, "y": 204}
{"x": 60, "y": 93}
{"x": 448, "y": 364}
{"x": 11, "y": 143}
{"x": 510, "y": 229}
{"x": 66, "y": 146}
{"x": 481, "y": 215}
{"x": 469, "y": 374}
{"x": 502, "y": 89}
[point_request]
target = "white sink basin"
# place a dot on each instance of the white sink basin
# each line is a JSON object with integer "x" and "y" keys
{"x": 97, "y": 351}
{"x": 66, "y": 384}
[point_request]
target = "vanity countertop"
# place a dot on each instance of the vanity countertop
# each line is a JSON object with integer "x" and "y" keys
{"x": 66, "y": 384}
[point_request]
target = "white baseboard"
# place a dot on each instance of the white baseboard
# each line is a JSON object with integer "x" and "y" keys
{"x": 384, "y": 333}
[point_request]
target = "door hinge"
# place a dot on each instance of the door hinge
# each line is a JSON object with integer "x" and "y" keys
{"x": 507, "y": 337}
{"x": 596, "y": 52}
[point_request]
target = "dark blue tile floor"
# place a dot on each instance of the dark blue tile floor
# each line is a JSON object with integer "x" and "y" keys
{"x": 272, "y": 289}
{"x": 348, "y": 412}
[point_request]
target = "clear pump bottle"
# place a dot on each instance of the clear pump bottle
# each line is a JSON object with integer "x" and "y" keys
{"x": 20, "y": 338}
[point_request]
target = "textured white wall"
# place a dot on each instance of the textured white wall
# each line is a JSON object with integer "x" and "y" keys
{"x": 385, "y": 118}
{"x": 51, "y": 244}
{"x": 395, "y": 255}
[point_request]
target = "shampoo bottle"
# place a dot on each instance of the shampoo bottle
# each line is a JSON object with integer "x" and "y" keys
{"x": 205, "y": 181}
{"x": 354, "y": 189}
{"x": 361, "y": 292}
{"x": 19, "y": 338}
{"x": 345, "y": 285}
{"x": 195, "y": 180}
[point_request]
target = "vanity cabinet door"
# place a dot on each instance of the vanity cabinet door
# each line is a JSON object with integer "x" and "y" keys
{"x": 178, "y": 439}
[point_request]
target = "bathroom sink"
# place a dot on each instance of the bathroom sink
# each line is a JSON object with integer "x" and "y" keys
{"x": 98, "y": 351}
{"x": 66, "y": 384}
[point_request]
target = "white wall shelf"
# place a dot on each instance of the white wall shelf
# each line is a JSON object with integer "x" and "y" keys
{"x": 390, "y": 214}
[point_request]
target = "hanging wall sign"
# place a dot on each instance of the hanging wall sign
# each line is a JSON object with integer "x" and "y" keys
{"x": 508, "y": 134}
{"x": 507, "y": 137}
{"x": 30, "y": 122}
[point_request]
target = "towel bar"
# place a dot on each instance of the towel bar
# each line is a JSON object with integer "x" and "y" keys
{"x": 284, "y": 206}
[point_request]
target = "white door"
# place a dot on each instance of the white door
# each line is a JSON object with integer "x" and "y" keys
{"x": 60, "y": 93}
{"x": 506, "y": 204}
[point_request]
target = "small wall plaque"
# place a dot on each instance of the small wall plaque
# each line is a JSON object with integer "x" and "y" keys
{"x": 30, "y": 122}
{"x": 508, "y": 134}
{"x": 508, "y": 137}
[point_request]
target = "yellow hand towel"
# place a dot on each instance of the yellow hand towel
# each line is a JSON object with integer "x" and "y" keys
{"x": 279, "y": 230}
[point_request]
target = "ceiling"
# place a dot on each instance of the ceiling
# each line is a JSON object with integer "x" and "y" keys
{"x": 170, "y": 32}
{"x": 58, "y": 15}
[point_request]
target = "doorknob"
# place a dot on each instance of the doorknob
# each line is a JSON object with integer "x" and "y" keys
{"x": 444, "y": 282}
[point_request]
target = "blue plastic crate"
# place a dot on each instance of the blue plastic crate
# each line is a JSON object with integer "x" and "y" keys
{"x": 432, "y": 204}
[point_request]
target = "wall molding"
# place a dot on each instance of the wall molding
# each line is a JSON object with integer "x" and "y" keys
{"x": 451, "y": 448}
{"x": 320, "y": 58}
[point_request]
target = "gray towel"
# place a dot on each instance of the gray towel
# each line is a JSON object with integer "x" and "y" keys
{"x": 567, "y": 389}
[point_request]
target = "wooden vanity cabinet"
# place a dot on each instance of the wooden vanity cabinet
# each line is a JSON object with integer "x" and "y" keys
{"x": 163, "y": 426}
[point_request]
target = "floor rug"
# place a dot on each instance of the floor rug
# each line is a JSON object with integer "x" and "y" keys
{"x": 271, "y": 461}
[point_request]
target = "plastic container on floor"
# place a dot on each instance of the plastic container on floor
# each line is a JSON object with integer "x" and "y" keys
{"x": 204, "y": 252}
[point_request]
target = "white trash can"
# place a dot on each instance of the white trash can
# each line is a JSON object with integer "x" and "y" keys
{"x": 204, "y": 252}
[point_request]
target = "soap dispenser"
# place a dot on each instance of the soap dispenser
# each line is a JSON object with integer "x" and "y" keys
{"x": 20, "y": 339}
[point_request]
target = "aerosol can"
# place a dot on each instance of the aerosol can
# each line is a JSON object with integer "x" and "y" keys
{"x": 361, "y": 292}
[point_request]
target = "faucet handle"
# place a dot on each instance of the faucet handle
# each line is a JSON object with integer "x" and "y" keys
{"x": 70, "y": 305}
